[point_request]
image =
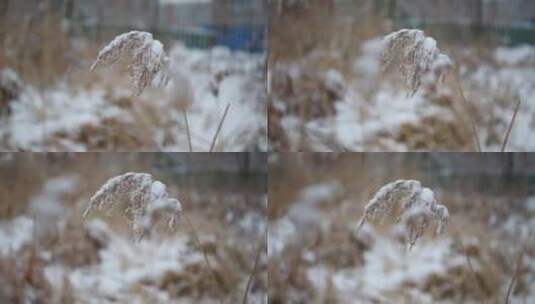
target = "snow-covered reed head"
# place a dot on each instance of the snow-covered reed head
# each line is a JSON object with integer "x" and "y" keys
{"x": 418, "y": 57}
{"x": 147, "y": 61}
{"x": 142, "y": 199}
{"x": 414, "y": 207}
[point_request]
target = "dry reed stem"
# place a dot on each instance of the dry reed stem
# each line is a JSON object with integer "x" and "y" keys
{"x": 253, "y": 273}
{"x": 510, "y": 127}
{"x": 516, "y": 274}
{"x": 200, "y": 247}
{"x": 466, "y": 104}
{"x": 185, "y": 113}
{"x": 303, "y": 109}
{"x": 219, "y": 128}
{"x": 478, "y": 279}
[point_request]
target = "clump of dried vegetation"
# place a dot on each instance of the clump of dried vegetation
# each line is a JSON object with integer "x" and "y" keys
{"x": 78, "y": 245}
{"x": 143, "y": 202}
{"x": 147, "y": 64}
{"x": 329, "y": 251}
{"x": 50, "y": 54}
{"x": 450, "y": 114}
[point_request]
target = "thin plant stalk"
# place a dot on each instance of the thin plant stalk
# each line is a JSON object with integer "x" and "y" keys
{"x": 510, "y": 127}
{"x": 254, "y": 272}
{"x": 302, "y": 126}
{"x": 185, "y": 113}
{"x": 480, "y": 282}
{"x": 516, "y": 274}
{"x": 219, "y": 128}
{"x": 200, "y": 247}
{"x": 467, "y": 106}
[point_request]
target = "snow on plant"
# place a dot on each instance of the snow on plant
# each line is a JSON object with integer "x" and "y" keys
{"x": 144, "y": 201}
{"x": 10, "y": 81}
{"x": 418, "y": 57}
{"x": 415, "y": 208}
{"x": 147, "y": 61}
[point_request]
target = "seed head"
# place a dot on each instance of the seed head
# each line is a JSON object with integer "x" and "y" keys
{"x": 145, "y": 57}
{"x": 418, "y": 57}
{"x": 142, "y": 199}
{"x": 414, "y": 207}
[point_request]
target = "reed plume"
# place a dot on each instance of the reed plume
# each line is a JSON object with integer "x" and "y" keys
{"x": 414, "y": 207}
{"x": 417, "y": 56}
{"x": 145, "y": 57}
{"x": 142, "y": 199}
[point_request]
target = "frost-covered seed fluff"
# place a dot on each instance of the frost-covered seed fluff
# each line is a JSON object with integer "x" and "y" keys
{"x": 418, "y": 57}
{"x": 414, "y": 207}
{"x": 142, "y": 199}
{"x": 147, "y": 61}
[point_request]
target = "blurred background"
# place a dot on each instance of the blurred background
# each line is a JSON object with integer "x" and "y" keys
{"x": 47, "y": 46}
{"x": 317, "y": 200}
{"x": 237, "y": 24}
{"x": 329, "y": 93}
{"x": 49, "y": 254}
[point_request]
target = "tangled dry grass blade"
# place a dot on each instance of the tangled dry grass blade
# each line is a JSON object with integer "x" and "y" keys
{"x": 414, "y": 207}
{"x": 145, "y": 56}
{"x": 144, "y": 201}
{"x": 418, "y": 57}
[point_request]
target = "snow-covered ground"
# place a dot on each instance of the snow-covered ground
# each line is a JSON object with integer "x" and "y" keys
{"x": 101, "y": 113}
{"x": 317, "y": 255}
{"x": 48, "y": 254}
{"x": 350, "y": 105}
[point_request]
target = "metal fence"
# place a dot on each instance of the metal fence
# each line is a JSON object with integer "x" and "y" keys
{"x": 509, "y": 22}
{"x": 237, "y": 24}
{"x": 503, "y": 21}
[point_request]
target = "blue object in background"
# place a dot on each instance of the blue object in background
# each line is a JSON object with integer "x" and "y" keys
{"x": 240, "y": 37}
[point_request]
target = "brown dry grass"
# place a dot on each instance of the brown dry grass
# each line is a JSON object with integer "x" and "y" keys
{"x": 318, "y": 37}
{"x": 35, "y": 46}
{"x": 296, "y": 33}
{"x": 361, "y": 175}
{"x": 42, "y": 53}
{"x": 24, "y": 176}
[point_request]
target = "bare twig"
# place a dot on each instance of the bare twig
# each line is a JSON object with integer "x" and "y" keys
{"x": 466, "y": 104}
{"x": 506, "y": 139}
{"x": 185, "y": 113}
{"x": 516, "y": 274}
{"x": 219, "y": 128}
{"x": 255, "y": 270}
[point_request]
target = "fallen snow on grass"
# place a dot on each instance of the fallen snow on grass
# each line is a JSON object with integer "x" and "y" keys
{"x": 107, "y": 116}
{"x": 132, "y": 271}
{"x": 388, "y": 266}
{"x": 15, "y": 234}
{"x": 371, "y": 111}
{"x": 388, "y": 272}
{"x": 47, "y": 208}
{"x": 303, "y": 219}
